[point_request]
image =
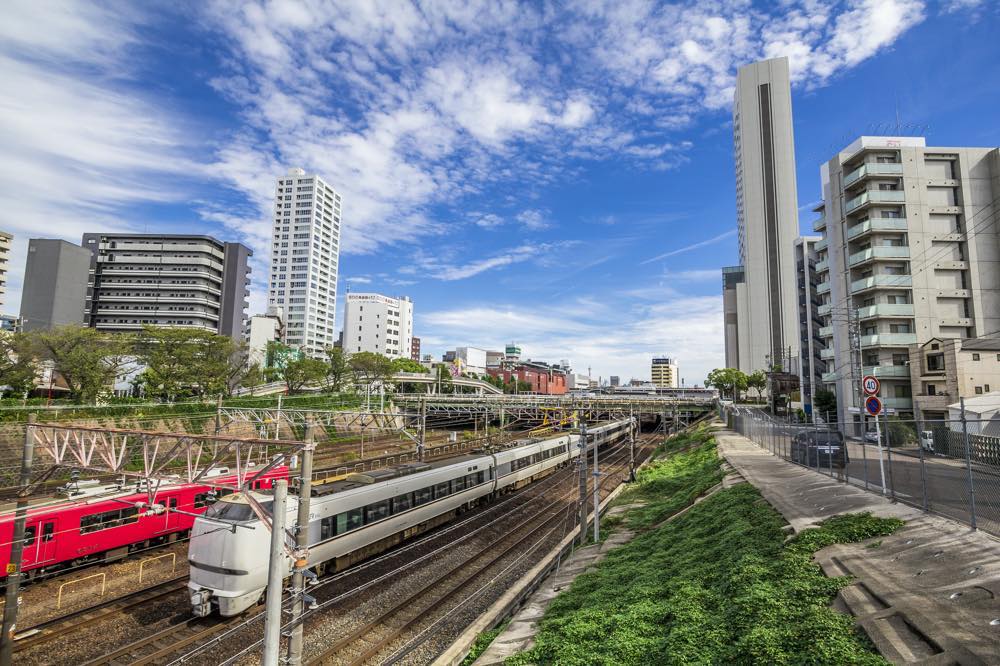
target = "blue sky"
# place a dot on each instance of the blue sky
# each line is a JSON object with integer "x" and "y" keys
{"x": 525, "y": 172}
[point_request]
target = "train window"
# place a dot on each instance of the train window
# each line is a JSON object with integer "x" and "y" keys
{"x": 458, "y": 485}
{"x": 48, "y": 531}
{"x": 327, "y": 528}
{"x": 376, "y": 511}
{"x": 402, "y": 502}
{"x": 173, "y": 503}
{"x": 503, "y": 470}
{"x": 200, "y": 500}
{"x": 441, "y": 490}
{"x": 349, "y": 520}
{"x": 108, "y": 519}
{"x": 422, "y": 496}
{"x": 480, "y": 477}
{"x": 29, "y": 535}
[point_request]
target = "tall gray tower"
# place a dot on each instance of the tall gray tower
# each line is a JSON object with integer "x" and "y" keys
{"x": 767, "y": 211}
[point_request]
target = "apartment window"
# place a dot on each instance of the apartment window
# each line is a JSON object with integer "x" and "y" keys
{"x": 975, "y": 357}
{"x": 902, "y": 391}
{"x": 900, "y": 328}
{"x": 979, "y": 390}
{"x": 987, "y": 387}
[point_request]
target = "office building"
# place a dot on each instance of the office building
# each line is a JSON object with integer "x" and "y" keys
{"x": 54, "y": 292}
{"x": 944, "y": 370}
{"x": 615, "y": 380}
{"x": 736, "y": 318}
{"x": 767, "y": 219}
{"x": 379, "y": 324}
{"x": 414, "y": 348}
{"x": 910, "y": 253}
{"x": 811, "y": 362}
{"x": 5, "y": 240}
{"x": 167, "y": 280}
{"x": 664, "y": 372}
{"x": 305, "y": 252}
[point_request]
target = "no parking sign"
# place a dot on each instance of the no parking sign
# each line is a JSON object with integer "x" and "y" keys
{"x": 873, "y": 405}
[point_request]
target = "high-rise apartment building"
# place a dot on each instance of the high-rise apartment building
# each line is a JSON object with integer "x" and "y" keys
{"x": 55, "y": 284}
{"x": 305, "y": 252}
{"x": 736, "y": 317}
{"x": 910, "y": 252}
{"x": 767, "y": 215}
{"x": 5, "y": 239}
{"x": 664, "y": 372}
{"x": 379, "y": 324}
{"x": 166, "y": 280}
{"x": 811, "y": 362}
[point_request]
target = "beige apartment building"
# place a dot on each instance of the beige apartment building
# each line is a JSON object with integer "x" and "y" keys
{"x": 664, "y": 372}
{"x": 909, "y": 254}
{"x": 5, "y": 240}
{"x": 944, "y": 370}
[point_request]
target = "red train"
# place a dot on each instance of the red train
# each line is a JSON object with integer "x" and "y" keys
{"x": 95, "y": 524}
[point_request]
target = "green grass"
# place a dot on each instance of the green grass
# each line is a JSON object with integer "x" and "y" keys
{"x": 717, "y": 585}
{"x": 483, "y": 641}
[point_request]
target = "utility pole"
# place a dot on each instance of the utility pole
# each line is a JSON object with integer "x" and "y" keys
{"x": 218, "y": 414}
{"x": 295, "y": 638}
{"x": 275, "y": 575}
{"x": 277, "y": 418}
{"x": 597, "y": 498}
{"x": 422, "y": 441}
{"x": 17, "y": 548}
{"x": 582, "y": 465}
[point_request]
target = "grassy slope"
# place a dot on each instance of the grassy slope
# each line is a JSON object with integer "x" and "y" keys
{"x": 716, "y": 585}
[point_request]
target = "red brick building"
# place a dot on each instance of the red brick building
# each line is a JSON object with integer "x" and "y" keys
{"x": 543, "y": 378}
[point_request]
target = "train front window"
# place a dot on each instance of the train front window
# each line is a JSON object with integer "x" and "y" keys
{"x": 235, "y": 512}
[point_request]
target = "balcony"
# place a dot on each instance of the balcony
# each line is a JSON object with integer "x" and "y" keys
{"x": 820, "y": 224}
{"x": 820, "y": 245}
{"x": 888, "y": 371}
{"x": 889, "y": 340}
{"x": 886, "y": 310}
{"x": 823, "y": 287}
{"x": 901, "y": 404}
{"x": 879, "y": 252}
{"x": 875, "y": 197}
{"x": 876, "y": 224}
{"x": 826, "y": 332}
{"x": 826, "y": 354}
{"x": 823, "y": 266}
{"x": 872, "y": 169}
{"x": 824, "y": 309}
{"x": 882, "y": 282}
{"x": 829, "y": 377}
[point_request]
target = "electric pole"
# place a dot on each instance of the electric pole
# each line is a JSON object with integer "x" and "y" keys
{"x": 17, "y": 548}
{"x": 275, "y": 575}
{"x": 295, "y": 639}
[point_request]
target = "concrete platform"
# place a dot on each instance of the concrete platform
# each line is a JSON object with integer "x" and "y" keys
{"x": 925, "y": 595}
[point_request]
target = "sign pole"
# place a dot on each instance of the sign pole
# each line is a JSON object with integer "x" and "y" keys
{"x": 881, "y": 462}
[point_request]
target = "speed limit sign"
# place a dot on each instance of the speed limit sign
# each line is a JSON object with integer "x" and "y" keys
{"x": 870, "y": 384}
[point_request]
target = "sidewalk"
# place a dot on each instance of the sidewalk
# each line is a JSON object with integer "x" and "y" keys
{"x": 927, "y": 594}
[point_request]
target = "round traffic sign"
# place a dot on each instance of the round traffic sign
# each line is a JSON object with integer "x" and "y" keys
{"x": 873, "y": 405}
{"x": 870, "y": 384}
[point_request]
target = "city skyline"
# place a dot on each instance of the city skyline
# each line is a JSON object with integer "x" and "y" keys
{"x": 492, "y": 178}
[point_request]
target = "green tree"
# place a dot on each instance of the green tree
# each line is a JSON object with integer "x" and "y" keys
{"x": 18, "y": 369}
{"x": 253, "y": 377}
{"x": 338, "y": 368}
{"x": 825, "y": 402}
{"x": 88, "y": 360}
{"x": 303, "y": 371}
{"x": 370, "y": 368}
{"x": 407, "y": 365}
{"x": 727, "y": 380}
{"x": 189, "y": 361}
{"x": 757, "y": 381}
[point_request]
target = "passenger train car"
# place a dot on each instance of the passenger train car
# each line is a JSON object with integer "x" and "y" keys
{"x": 362, "y": 515}
{"x": 101, "y": 523}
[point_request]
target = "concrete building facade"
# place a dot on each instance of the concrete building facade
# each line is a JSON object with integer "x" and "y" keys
{"x": 5, "y": 241}
{"x": 910, "y": 253}
{"x": 767, "y": 217}
{"x": 664, "y": 372}
{"x": 811, "y": 362}
{"x": 262, "y": 330}
{"x": 736, "y": 317}
{"x": 167, "y": 280}
{"x": 415, "y": 349}
{"x": 379, "y": 324}
{"x": 305, "y": 253}
{"x": 54, "y": 292}
{"x": 944, "y": 370}
{"x": 542, "y": 378}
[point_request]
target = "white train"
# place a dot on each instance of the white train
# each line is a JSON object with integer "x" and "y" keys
{"x": 352, "y": 519}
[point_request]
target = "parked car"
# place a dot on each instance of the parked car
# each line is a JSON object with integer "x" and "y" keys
{"x": 820, "y": 448}
{"x": 871, "y": 436}
{"x": 927, "y": 440}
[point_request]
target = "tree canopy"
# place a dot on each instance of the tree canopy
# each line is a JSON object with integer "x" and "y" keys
{"x": 88, "y": 360}
{"x": 727, "y": 380}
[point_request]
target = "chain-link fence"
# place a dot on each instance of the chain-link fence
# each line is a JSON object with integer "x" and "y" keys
{"x": 950, "y": 467}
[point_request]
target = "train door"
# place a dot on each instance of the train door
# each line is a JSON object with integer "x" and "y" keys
{"x": 47, "y": 541}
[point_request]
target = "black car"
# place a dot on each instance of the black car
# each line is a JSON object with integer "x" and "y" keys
{"x": 819, "y": 448}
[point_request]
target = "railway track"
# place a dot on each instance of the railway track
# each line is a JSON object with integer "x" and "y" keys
{"x": 58, "y": 628}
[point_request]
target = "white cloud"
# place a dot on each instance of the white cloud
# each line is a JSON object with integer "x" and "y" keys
{"x": 532, "y": 219}
{"x": 358, "y": 280}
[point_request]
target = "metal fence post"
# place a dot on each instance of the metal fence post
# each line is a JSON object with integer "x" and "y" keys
{"x": 888, "y": 454}
{"x": 864, "y": 457}
{"x": 968, "y": 465}
{"x": 923, "y": 470}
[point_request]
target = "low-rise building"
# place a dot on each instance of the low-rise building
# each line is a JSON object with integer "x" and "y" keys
{"x": 665, "y": 373}
{"x": 379, "y": 324}
{"x": 615, "y": 380}
{"x": 543, "y": 378}
{"x": 942, "y": 370}
{"x": 263, "y": 329}
{"x": 494, "y": 359}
